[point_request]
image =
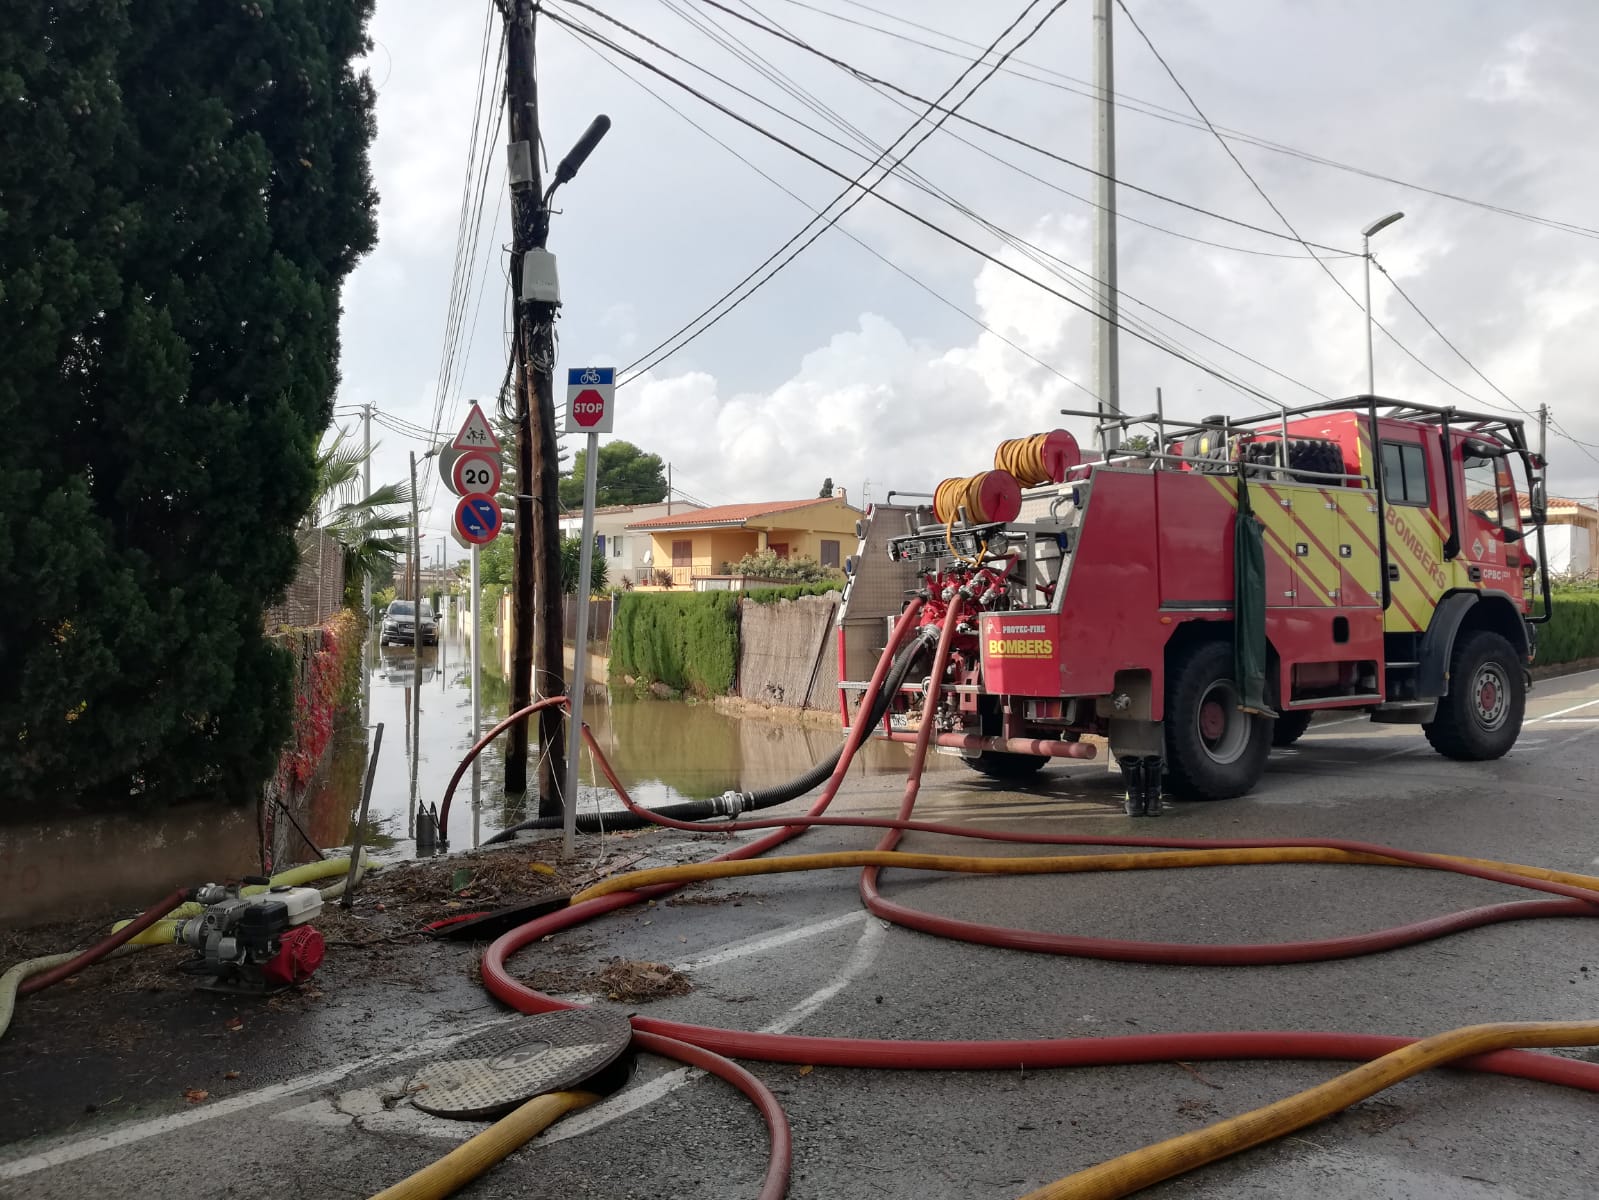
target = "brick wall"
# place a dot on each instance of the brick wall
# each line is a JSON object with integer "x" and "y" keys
{"x": 318, "y": 589}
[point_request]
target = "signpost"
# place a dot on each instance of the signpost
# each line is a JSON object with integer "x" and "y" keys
{"x": 590, "y": 406}
{"x": 470, "y": 466}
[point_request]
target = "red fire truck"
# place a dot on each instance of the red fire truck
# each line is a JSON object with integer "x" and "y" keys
{"x": 1197, "y": 601}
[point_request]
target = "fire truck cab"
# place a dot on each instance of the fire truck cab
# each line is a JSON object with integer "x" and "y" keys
{"x": 1196, "y": 601}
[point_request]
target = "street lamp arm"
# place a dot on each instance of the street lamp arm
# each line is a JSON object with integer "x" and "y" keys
{"x": 578, "y": 154}
{"x": 1380, "y": 224}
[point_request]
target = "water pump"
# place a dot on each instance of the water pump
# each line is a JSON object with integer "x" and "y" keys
{"x": 254, "y": 944}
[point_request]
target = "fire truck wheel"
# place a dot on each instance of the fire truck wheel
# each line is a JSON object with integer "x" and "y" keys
{"x": 1289, "y": 728}
{"x": 1214, "y": 751}
{"x": 997, "y": 764}
{"x": 1480, "y": 718}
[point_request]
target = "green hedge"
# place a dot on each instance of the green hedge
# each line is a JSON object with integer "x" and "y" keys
{"x": 688, "y": 641}
{"x": 1573, "y": 630}
{"x": 793, "y": 591}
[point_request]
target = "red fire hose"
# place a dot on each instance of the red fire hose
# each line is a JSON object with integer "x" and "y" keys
{"x": 1056, "y": 1052}
{"x": 100, "y": 949}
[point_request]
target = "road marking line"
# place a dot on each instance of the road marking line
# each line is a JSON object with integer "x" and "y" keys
{"x": 128, "y": 1134}
{"x": 770, "y": 941}
{"x": 1340, "y": 721}
{"x": 367, "y": 1103}
{"x": 604, "y": 1113}
{"x": 1563, "y": 711}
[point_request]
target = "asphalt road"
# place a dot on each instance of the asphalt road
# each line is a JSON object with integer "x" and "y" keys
{"x": 318, "y": 1108}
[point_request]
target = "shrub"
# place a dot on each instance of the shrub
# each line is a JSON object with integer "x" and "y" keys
{"x": 1573, "y": 629}
{"x": 764, "y": 564}
{"x": 793, "y": 591}
{"x": 687, "y": 641}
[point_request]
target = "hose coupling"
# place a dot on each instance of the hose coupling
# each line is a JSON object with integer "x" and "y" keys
{"x": 731, "y": 803}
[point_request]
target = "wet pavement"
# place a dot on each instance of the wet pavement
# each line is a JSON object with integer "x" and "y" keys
{"x": 319, "y": 1108}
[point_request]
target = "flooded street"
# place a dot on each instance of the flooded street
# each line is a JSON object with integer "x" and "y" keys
{"x": 664, "y": 751}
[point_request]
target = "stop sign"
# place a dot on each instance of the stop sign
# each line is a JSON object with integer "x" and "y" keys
{"x": 588, "y": 408}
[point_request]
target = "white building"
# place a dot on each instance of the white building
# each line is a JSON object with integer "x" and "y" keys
{"x": 625, "y": 553}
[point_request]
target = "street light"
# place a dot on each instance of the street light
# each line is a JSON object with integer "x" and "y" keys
{"x": 1365, "y": 253}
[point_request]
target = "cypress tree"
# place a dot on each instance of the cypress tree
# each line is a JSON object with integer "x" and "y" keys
{"x": 184, "y": 187}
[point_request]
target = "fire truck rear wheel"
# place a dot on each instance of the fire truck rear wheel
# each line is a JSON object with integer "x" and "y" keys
{"x": 1214, "y": 751}
{"x": 1290, "y": 727}
{"x": 997, "y": 764}
{"x": 1481, "y": 716}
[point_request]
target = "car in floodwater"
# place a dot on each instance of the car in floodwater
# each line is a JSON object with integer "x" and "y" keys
{"x": 399, "y": 625}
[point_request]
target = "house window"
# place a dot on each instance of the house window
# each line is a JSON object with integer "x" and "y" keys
{"x": 1404, "y": 473}
{"x": 683, "y": 552}
{"x": 616, "y": 546}
{"x": 778, "y": 548}
{"x": 599, "y": 544}
{"x": 829, "y": 553}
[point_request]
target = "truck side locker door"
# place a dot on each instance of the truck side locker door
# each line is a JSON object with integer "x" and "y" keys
{"x": 1411, "y": 483}
{"x": 1314, "y": 542}
{"x": 1361, "y": 585}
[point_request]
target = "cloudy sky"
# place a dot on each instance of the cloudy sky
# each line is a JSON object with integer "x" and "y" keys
{"x": 864, "y": 360}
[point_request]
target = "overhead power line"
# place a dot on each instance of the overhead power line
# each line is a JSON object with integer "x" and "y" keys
{"x": 1159, "y": 112}
{"x": 1050, "y": 262}
{"x": 1287, "y": 224}
{"x": 812, "y": 227}
{"x": 972, "y": 122}
{"x": 884, "y": 259}
{"x": 609, "y": 44}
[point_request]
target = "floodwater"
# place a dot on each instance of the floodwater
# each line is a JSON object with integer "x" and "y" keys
{"x": 663, "y": 751}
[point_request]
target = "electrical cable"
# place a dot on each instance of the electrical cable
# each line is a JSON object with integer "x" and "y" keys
{"x": 853, "y": 185}
{"x": 913, "y": 215}
{"x": 884, "y": 259}
{"x": 774, "y": 27}
{"x": 868, "y": 77}
{"x": 1287, "y": 224}
{"x": 1149, "y": 108}
{"x": 1051, "y": 262}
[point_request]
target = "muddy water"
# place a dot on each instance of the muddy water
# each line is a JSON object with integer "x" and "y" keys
{"x": 664, "y": 751}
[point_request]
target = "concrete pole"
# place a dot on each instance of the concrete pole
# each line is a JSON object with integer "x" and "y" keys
{"x": 1107, "y": 365}
{"x": 416, "y": 639}
{"x": 1371, "y": 362}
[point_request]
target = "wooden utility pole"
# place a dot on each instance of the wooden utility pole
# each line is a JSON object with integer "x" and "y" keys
{"x": 537, "y": 618}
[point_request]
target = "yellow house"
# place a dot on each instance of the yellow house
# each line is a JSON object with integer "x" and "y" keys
{"x": 698, "y": 543}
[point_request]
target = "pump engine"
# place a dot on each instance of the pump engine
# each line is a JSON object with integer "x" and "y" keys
{"x": 254, "y": 944}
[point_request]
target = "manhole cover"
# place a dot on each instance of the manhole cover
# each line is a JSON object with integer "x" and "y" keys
{"x": 500, "y": 1069}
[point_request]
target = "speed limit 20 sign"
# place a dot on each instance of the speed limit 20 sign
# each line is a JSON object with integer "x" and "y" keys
{"x": 476, "y": 473}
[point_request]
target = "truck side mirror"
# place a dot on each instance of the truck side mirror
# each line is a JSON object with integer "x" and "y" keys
{"x": 1538, "y": 502}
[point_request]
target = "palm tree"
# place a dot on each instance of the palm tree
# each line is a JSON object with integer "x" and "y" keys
{"x": 372, "y": 529}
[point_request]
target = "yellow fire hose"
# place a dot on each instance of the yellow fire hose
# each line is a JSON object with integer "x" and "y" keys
{"x": 1128, "y": 1173}
{"x": 1042, "y": 865}
{"x": 476, "y": 1155}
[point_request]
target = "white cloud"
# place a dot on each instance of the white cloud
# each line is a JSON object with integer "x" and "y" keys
{"x": 842, "y": 368}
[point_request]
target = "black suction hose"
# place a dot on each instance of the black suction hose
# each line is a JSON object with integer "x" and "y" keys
{"x": 732, "y": 803}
